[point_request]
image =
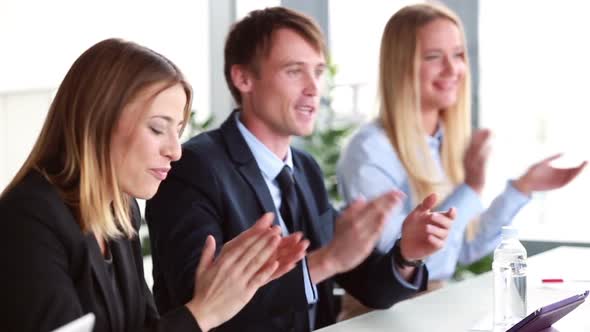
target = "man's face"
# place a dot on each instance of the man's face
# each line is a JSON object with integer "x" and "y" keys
{"x": 282, "y": 98}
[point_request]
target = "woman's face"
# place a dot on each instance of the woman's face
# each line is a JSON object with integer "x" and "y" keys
{"x": 146, "y": 139}
{"x": 442, "y": 64}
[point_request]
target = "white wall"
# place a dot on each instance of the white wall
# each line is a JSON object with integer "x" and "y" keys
{"x": 21, "y": 118}
{"x": 534, "y": 73}
{"x": 41, "y": 39}
{"x": 3, "y": 156}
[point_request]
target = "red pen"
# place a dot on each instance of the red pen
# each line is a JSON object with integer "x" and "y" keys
{"x": 559, "y": 280}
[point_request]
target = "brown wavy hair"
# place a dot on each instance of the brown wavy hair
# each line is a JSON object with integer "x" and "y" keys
{"x": 73, "y": 150}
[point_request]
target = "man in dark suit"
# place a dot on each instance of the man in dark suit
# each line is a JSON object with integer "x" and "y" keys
{"x": 229, "y": 177}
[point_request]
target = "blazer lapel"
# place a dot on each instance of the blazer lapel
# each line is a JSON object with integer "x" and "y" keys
{"x": 126, "y": 278}
{"x": 241, "y": 155}
{"x": 100, "y": 274}
{"x": 251, "y": 173}
{"x": 311, "y": 222}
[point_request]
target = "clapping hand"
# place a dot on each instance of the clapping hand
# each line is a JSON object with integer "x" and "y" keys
{"x": 355, "y": 235}
{"x": 424, "y": 232}
{"x": 475, "y": 159}
{"x": 224, "y": 285}
{"x": 542, "y": 176}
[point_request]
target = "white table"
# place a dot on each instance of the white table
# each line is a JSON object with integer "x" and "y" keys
{"x": 460, "y": 306}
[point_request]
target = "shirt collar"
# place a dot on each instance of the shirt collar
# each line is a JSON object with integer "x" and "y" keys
{"x": 435, "y": 140}
{"x": 267, "y": 161}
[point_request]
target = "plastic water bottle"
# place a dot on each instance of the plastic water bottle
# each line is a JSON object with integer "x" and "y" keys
{"x": 509, "y": 268}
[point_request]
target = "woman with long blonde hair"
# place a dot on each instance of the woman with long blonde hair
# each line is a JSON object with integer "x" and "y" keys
{"x": 422, "y": 142}
{"x": 69, "y": 243}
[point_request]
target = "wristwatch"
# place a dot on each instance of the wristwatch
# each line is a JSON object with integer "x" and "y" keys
{"x": 400, "y": 261}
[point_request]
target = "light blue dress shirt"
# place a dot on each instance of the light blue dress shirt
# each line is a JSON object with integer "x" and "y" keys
{"x": 270, "y": 165}
{"x": 369, "y": 166}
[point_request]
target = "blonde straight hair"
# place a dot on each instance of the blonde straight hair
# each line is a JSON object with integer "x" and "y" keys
{"x": 400, "y": 107}
{"x": 73, "y": 150}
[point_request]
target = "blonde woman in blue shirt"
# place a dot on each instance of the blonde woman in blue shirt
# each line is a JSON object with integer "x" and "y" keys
{"x": 422, "y": 142}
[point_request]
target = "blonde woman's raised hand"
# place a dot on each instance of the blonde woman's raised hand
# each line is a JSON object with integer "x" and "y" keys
{"x": 542, "y": 176}
{"x": 475, "y": 159}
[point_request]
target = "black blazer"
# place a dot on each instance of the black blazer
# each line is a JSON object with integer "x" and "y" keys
{"x": 217, "y": 188}
{"x": 53, "y": 273}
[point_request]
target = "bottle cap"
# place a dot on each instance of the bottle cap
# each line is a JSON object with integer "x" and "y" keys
{"x": 509, "y": 232}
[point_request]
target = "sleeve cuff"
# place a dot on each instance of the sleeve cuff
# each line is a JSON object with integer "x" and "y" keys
{"x": 180, "y": 319}
{"x": 510, "y": 201}
{"x": 515, "y": 193}
{"x": 417, "y": 280}
{"x": 466, "y": 200}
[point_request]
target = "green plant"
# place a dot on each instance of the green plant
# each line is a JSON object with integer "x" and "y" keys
{"x": 196, "y": 126}
{"x": 465, "y": 271}
{"x": 325, "y": 146}
{"x": 146, "y": 248}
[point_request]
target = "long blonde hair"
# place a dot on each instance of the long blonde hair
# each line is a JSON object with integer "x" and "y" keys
{"x": 73, "y": 150}
{"x": 400, "y": 107}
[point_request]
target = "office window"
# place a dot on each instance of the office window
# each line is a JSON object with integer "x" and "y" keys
{"x": 534, "y": 87}
{"x": 40, "y": 42}
{"x": 354, "y": 47}
{"x": 243, "y": 7}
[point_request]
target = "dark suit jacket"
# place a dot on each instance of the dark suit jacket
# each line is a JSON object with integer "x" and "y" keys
{"x": 53, "y": 273}
{"x": 217, "y": 188}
